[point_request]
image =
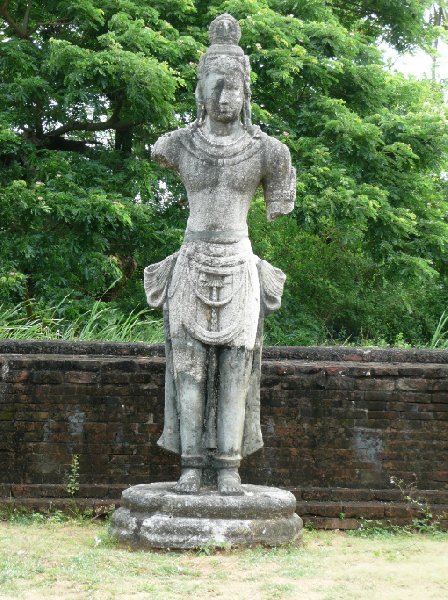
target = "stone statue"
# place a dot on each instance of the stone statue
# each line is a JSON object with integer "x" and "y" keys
{"x": 215, "y": 292}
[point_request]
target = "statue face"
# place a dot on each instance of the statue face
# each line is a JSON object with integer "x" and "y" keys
{"x": 223, "y": 94}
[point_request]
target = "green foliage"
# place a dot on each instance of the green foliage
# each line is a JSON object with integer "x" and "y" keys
{"x": 88, "y": 85}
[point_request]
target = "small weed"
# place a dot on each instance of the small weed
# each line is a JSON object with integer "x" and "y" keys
{"x": 149, "y": 588}
{"x": 425, "y": 522}
{"x": 72, "y": 477}
{"x": 376, "y": 528}
{"x": 213, "y": 547}
{"x": 104, "y": 540}
{"x": 19, "y": 515}
{"x": 23, "y": 516}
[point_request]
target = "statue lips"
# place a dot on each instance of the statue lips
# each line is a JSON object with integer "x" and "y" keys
{"x": 226, "y": 114}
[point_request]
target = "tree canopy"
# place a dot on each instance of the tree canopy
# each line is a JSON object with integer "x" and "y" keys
{"x": 87, "y": 85}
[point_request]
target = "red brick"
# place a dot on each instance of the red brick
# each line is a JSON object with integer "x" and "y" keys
{"x": 81, "y": 377}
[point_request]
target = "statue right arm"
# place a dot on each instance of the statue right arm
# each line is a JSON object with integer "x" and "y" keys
{"x": 279, "y": 181}
{"x": 166, "y": 151}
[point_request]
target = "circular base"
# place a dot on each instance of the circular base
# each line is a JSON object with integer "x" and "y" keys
{"x": 154, "y": 516}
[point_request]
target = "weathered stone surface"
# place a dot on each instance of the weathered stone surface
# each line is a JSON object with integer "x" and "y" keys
{"x": 154, "y": 516}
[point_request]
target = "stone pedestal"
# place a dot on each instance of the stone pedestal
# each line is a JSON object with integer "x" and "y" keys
{"x": 153, "y": 516}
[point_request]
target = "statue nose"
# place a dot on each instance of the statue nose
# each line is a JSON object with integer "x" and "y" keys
{"x": 224, "y": 97}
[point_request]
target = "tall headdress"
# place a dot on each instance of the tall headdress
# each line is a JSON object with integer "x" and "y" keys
{"x": 224, "y": 52}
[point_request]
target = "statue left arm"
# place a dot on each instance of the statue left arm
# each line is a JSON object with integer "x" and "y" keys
{"x": 279, "y": 180}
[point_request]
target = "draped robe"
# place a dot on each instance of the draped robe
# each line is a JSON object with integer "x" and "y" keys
{"x": 215, "y": 291}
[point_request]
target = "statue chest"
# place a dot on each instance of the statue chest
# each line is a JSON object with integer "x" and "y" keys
{"x": 200, "y": 174}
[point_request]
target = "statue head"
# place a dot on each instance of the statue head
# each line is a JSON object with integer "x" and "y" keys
{"x": 223, "y": 89}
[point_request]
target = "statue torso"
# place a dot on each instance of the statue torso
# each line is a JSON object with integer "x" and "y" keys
{"x": 220, "y": 179}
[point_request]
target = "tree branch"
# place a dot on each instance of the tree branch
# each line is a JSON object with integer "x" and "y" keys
{"x": 49, "y": 24}
{"x": 113, "y": 122}
{"x": 13, "y": 24}
{"x": 22, "y": 30}
{"x": 89, "y": 126}
{"x": 26, "y": 17}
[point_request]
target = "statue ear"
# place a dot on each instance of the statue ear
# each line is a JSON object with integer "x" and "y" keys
{"x": 247, "y": 116}
{"x": 200, "y": 107}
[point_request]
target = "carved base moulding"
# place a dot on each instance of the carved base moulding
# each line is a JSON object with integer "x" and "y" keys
{"x": 154, "y": 516}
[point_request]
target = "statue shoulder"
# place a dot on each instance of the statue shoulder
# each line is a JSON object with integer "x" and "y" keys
{"x": 166, "y": 150}
{"x": 275, "y": 152}
{"x": 279, "y": 177}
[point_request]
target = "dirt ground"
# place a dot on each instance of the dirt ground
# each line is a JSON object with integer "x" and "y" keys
{"x": 77, "y": 561}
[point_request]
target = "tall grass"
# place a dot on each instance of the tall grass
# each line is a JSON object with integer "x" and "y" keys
{"x": 108, "y": 323}
{"x": 100, "y": 322}
{"x": 440, "y": 338}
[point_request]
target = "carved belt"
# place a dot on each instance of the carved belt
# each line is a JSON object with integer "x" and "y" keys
{"x": 207, "y": 283}
{"x": 223, "y": 236}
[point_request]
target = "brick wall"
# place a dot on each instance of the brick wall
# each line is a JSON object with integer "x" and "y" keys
{"x": 337, "y": 423}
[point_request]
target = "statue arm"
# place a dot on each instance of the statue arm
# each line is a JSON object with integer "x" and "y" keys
{"x": 279, "y": 181}
{"x": 166, "y": 150}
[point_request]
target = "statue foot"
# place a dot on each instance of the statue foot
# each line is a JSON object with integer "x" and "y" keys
{"x": 189, "y": 482}
{"x": 229, "y": 483}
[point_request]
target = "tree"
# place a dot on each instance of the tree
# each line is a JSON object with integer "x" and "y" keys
{"x": 83, "y": 83}
{"x": 87, "y": 85}
{"x": 438, "y": 16}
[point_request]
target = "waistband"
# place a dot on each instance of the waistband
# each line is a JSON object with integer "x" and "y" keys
{"x": 221, "y": 236}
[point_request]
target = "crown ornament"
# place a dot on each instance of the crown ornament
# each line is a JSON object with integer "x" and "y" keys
{"x": 224, "y": 53}
{"x": 224, "y": 30}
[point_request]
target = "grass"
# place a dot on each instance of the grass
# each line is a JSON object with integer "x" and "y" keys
{"x": 439, "y": 340}
{"x": 104, "y": 321}
{"x": 100, "y": 322}
{"x": 76, "y": 559}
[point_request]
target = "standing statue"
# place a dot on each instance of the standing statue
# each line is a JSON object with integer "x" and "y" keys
{"x": 215, "y": 292}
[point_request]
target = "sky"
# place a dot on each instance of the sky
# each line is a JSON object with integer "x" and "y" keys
{"x": 420, "y": 63}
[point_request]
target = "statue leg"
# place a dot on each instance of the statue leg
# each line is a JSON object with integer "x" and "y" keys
{"x": 190, "y": 369}
{"x": 235, "y": 366}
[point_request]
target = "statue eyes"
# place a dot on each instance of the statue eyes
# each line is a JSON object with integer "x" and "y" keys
{"x": 219, "y": 89}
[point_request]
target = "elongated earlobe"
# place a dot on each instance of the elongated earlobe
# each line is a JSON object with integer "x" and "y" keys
{"x": 200, "y": 116}
{"x": 247, "y": 116}
{"x": 200, "y": 107}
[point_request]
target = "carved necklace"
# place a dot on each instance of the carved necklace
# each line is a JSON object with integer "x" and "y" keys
{"x": 220, "y": 144}
{"x": 206, "y": 150}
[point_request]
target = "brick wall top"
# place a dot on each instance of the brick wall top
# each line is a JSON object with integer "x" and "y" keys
{"x": 308, "y": 353}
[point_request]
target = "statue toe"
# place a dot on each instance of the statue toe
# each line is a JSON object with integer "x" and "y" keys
{"x": 229, "y": 483}
{"x": 189, "y": 482}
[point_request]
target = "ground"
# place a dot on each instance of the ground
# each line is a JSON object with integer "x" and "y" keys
{"x": 77, "y": 560}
